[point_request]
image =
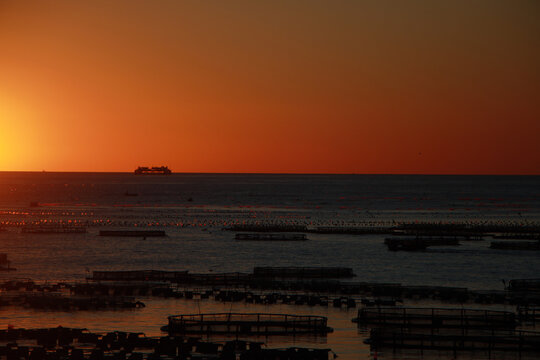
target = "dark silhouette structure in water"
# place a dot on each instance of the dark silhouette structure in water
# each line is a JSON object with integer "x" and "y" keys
{"x": 155, "y": 170}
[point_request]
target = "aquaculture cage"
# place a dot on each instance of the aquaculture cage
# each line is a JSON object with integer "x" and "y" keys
{"x": 248, "y": 324}
{"x": 436, "y": 318}
{"x": 524, "y": 285}
{"x": 303, "y": 272}
{"x": 270, "y": 237}
{"x": 490, "y": 340}
{"x": 138, "y": 275}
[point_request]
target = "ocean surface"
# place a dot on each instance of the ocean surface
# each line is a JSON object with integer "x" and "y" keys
{"x": 193, "y": 209}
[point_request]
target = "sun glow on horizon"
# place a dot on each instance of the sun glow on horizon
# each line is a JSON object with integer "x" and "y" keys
{"x": 345, "y": 87}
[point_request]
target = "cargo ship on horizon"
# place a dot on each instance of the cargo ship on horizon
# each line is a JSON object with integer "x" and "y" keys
{"x": 154, "y": 170}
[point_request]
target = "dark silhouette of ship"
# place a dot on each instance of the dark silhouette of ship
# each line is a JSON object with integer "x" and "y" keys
{"x": 155, "y": 170}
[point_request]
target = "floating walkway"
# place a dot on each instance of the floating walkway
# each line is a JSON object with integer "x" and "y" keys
{"x": 247, "y": 324}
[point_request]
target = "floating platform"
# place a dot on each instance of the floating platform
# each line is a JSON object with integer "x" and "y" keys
{"x": 267, "y": 227}
{"x": 528, "y": 314}
{"x": 53, "y": 229}
{"x": 515, "y": 245}
{"x": 247, "y": 324}
{"x": 138, "y": 275}
{"x": 302, "y": 272}
{"x": 517, "y": 236}
{"x": 235, "y": 278}
{"x": 467, "y": 230}
{"x": 133, "y": 233}
{"x": 351, "y": 230}
{"x": 490, "y": 340}
{"x": 178, "y": 277}
{"x": 436, "y": 318}
{"x": 271, "y": 237}
{"x": 80, "y": 344}
{"x": 67, "y": 303}
{"x": 418, "y": 243}
{"x": 525, "y": 285}
{"x": 5, "y": 264}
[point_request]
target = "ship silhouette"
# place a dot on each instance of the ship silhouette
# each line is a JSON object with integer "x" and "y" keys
{"x": 155, "y": 170}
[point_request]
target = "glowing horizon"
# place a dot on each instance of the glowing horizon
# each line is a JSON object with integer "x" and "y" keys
{"x": 271, "y": 87}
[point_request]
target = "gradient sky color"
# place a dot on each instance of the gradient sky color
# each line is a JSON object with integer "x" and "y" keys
{"x": 429, "y": 87}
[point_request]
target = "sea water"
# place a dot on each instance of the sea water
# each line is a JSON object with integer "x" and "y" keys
{"x": 194, "y": 209}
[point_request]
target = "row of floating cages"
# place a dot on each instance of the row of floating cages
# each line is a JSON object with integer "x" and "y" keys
{"x": 219, "y": 278}
{"x": 527, "y": 285}
{"x": 410, "y": 317}
{"x": 247, "y": 323}
{"x": 138, "y": 275}
{"x": 446, "y": 329}
{"x": 271, "y": 237}
{"x": 53, "y": 301}
{"x": 515, "y": 245}
{"x": 418, "y": 243}
{"x": 486, "y": 226}
{"x": 179, "y": 277}
{"x": 66, "y": 343}
{"x": 268, "y": 227}
{"x": 53, "y": 228}
{"x": 354, "y": 230}
{"x": 258, "y": 272}
{"x": 133, "y": 233}
{"x": 465, "y": 229}
{"x": 303, "y": 272}
{"x": 492, "y": 340}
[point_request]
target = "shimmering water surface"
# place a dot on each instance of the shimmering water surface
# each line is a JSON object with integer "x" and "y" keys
{"x": 194, "y": 208}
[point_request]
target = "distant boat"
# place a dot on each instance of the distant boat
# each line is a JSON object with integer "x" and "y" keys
{"x": 155, "y": 170}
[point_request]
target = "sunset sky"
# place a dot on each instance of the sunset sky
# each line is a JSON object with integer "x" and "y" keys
{"x": 429, "y": 87}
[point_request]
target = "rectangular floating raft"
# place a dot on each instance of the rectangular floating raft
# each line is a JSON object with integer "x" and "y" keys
{"x": 417, "y": 243}
{"x": 436, "y": 318}
{"x": 138, "y": 275}
{"x": 527, "y": 285}
{"x": 133, "y": 233}
{"x": 303, "y": 272}
{"x": 247, "y": 324}
{"x": 515, "y": 245}
{"x": 516, "y": 341}
{"x": 271, "y": 237}
{"x": 53, "y": 229}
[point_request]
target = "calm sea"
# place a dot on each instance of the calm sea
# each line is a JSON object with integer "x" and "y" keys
{"x": 193, "y": 209}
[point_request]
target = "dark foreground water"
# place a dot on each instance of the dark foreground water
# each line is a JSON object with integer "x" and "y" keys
{"x": 193, "y": 209}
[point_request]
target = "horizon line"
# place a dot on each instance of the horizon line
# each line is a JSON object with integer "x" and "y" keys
{"x": 260, "y": 173}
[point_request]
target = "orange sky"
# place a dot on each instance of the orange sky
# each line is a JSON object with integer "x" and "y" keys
{"x": 275, "y": 86}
